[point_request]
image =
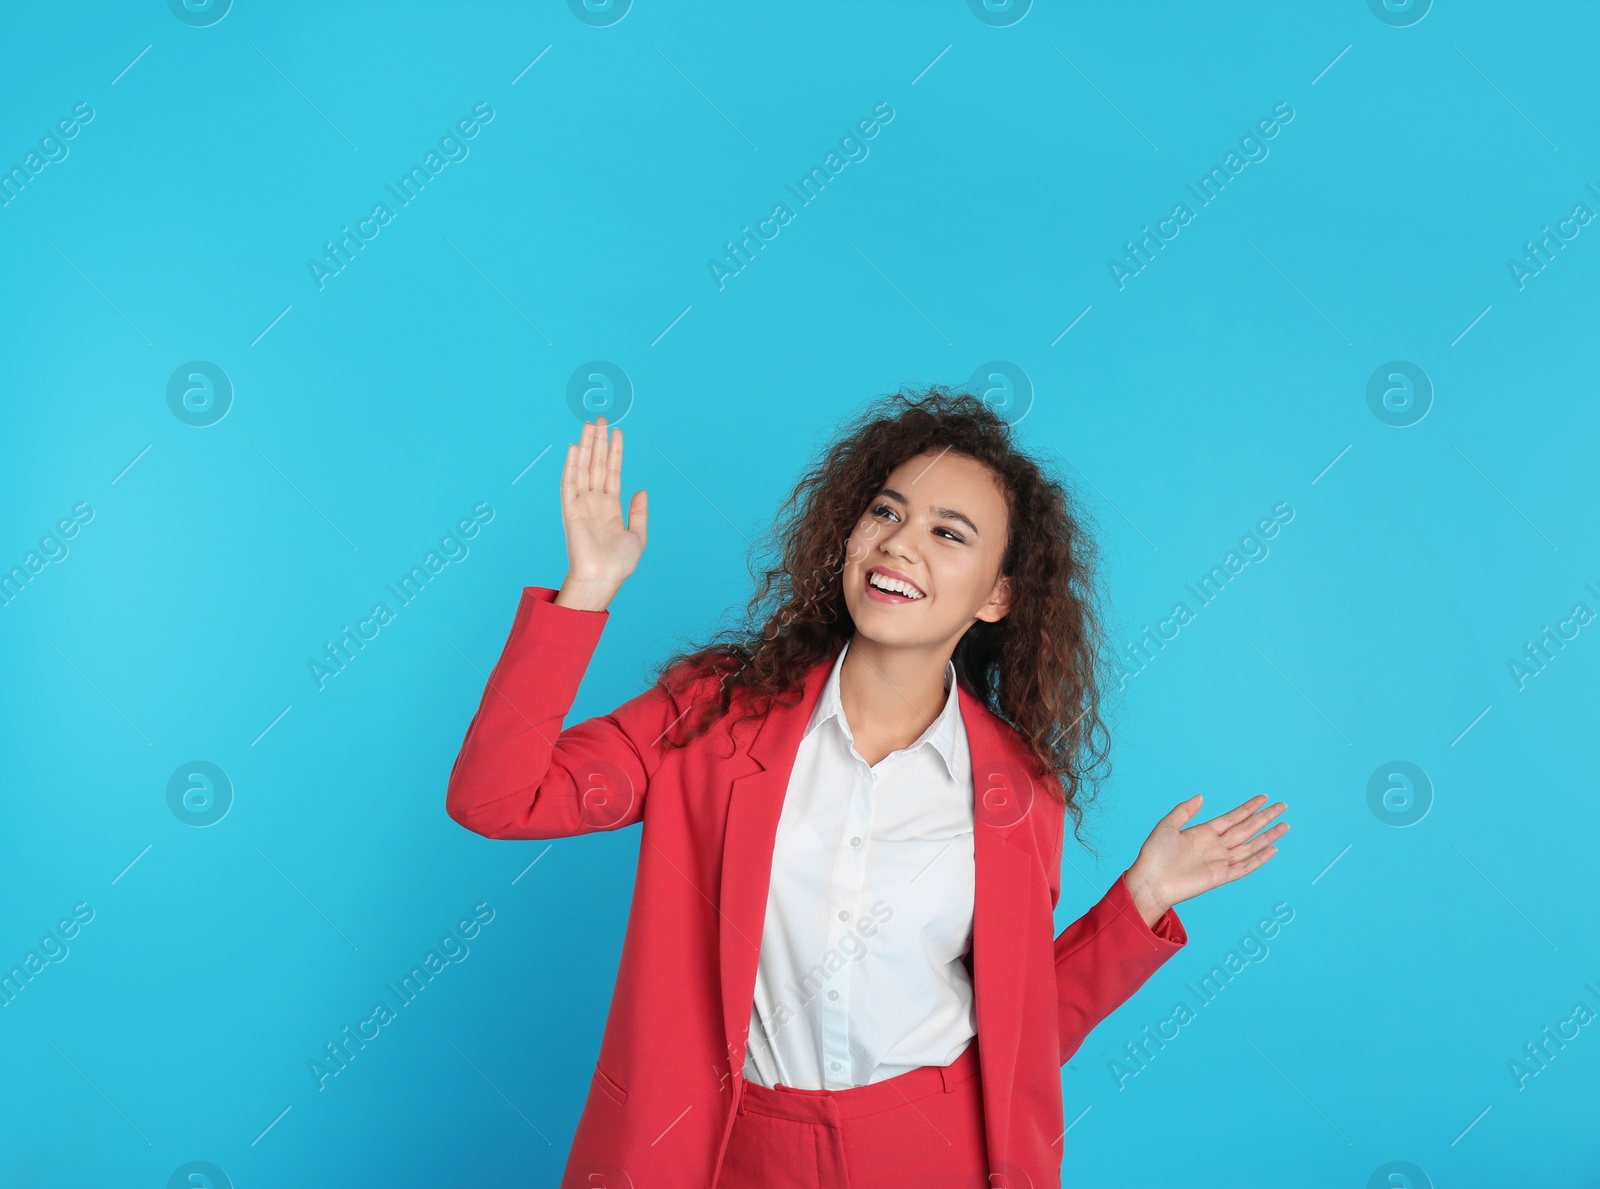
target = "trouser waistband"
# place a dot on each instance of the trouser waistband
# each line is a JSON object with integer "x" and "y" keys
{"x": 832, "y": 1106}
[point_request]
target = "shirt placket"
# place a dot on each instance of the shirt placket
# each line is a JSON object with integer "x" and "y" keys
{"x": 846, "y": 893}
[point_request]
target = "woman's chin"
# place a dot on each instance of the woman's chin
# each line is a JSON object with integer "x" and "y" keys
{"x": 881, "y": 623}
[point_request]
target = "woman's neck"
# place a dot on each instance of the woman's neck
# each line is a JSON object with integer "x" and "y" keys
{"x": 891, "y": 694}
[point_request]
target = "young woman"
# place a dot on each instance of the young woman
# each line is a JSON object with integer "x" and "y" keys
{"x": 841, "y": 966}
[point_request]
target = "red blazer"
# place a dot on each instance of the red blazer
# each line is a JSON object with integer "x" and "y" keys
{"x": 670, "y": 1072}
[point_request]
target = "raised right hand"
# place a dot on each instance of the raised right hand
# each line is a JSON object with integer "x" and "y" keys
{"x": 601, "y": 550}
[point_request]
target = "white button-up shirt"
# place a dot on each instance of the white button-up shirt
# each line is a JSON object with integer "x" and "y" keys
{"x": 869, "y": 910}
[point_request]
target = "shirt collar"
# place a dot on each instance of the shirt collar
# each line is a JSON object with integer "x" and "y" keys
{"x": 942, "y": 733}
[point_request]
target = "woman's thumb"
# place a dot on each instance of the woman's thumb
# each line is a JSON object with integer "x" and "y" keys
{"x": 1184, "y": 810}
{"x": 639, "y": 515}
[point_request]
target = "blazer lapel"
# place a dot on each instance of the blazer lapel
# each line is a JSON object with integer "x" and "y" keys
{"x": 1002, "y": 796}
{"x": 755, "y": 804}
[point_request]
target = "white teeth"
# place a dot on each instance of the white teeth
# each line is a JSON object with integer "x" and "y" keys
{"x": 894, "y": 586}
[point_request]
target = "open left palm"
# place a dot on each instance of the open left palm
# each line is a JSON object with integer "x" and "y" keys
{"x": 1177, "y": 864}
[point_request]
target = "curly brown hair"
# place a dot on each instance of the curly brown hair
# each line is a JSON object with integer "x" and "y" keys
{"x": 1035, "y": 668}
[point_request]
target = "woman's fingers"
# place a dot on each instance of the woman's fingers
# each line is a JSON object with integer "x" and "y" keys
{"x": 1246, "y": 866}
{"x": 597, "y": 456}
{"x": 1225, "y": 821}
{"x": 593, "y": 463}
{"x": 585, "y": 456}
{"x": 614, "y": 465}
{"x": 591, "y": 486}
{"x": 1251, "y": 825}
{"x": 1246, "y": 849}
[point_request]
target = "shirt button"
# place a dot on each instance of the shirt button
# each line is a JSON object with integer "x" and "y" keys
{"x": 834, "y": 1065}
{"x": 844, "y": 914}
{"x": 833, "y": 994}
{"x": 855, "y": 841}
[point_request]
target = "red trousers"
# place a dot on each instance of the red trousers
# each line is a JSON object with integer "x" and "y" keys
{"x": 920, "y": 1130}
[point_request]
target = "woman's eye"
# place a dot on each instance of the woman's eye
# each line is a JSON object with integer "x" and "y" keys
{"x": 882, "y": 508}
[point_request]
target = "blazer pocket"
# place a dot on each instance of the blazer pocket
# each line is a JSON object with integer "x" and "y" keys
{"x": 610, "y": 1086}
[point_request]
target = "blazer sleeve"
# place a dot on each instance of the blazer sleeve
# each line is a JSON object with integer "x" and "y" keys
{"x": 519, "y": 774}
{"x": 1105, "y": 956}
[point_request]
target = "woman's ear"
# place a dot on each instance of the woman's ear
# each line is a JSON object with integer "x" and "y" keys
{"x": 998, "y": 605}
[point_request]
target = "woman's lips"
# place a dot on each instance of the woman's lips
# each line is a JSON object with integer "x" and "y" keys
{"x": 884, "y": 596}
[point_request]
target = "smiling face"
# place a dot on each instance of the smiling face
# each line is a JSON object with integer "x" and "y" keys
{"x": 923, "y": 561}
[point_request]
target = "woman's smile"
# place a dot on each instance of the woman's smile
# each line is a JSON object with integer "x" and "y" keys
{"x": 890, "y": 586}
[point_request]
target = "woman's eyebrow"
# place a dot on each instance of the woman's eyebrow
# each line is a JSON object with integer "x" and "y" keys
{"x": 947, "y": 513}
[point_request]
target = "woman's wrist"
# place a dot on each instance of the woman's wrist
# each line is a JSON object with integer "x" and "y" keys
{"x": 585, "y": 594}
{"x": 1147, "y": 898}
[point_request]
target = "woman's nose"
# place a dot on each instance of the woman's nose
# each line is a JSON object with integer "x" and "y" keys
{"x": 896, "y": 545}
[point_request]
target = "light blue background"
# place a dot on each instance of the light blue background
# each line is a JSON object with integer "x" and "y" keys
{"x": 374, "y": 413}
